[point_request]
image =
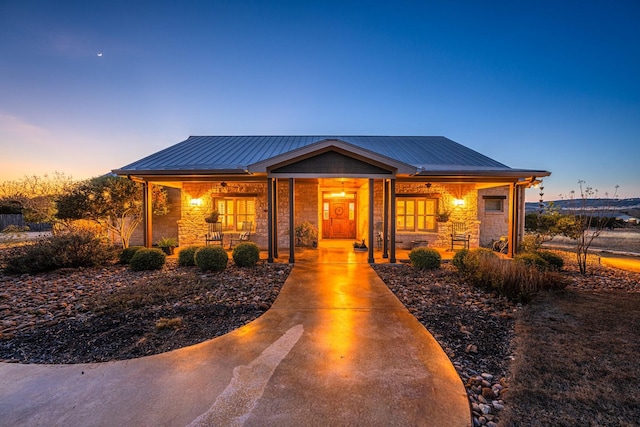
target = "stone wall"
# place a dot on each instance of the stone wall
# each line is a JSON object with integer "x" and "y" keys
{"x": 192, "y": 228}
{"x": 446, "y": 194}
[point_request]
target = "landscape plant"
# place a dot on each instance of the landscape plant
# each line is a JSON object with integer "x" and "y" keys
{"x": 211, "y": 258}
{"x": 555, "y": 261}
{"x": 583, "y": 223}
{"x": 246, "y": 254}
{"x": 459, "y": 259}
{"x": 64, "y": 250}
{"x": 186, "y": 256}
{"x": 517, "y": 280}
{"x": 532, "y": 259}
{"x": 113, "y": 202}
{"x": 148, "y": 259}
{"x": 425, "y": 258}
{"x": 168, "y": 244}
{"x": 127, "y": 253}
{"x": 306, "y": 233}
{"x": 34, "y": 196}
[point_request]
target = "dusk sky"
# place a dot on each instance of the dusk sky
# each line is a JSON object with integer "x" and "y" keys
{"x": 86, "y": 87}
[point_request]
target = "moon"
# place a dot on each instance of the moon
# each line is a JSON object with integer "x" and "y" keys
{"x": 99, "y": 53}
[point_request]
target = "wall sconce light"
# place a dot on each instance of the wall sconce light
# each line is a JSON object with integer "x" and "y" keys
{"x": 458, "y": 202}
{"x": 196, "y": 202}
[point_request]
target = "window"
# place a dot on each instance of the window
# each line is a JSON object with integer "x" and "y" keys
{"x": 416, "y": 214}
{"x": 494, "y": 203}
{"x": 235, "y": 211}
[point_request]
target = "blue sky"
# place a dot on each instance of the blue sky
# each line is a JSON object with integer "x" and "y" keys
{"x": 541, "y": 85}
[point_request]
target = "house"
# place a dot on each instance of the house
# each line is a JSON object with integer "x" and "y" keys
{"x": 349, "y": 187}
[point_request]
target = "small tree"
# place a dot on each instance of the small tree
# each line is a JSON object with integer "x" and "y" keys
{"x": 583, "y": 223}
{"x": 113, "y": 202}
{"x": 34, "y": 196}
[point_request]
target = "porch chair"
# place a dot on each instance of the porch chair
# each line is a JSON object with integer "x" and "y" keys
{"x": 459, "y": 233}
{"x": 215, "y": 235}
{"x": 244, "y": 236}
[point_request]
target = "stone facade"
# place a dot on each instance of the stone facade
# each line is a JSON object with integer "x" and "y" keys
{"x": 446, "y": 194}
{"x": 482, "y": 226}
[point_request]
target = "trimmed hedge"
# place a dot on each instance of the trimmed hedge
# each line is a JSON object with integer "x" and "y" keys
{"x": 186, "y": 256}
{"x": 425, "y": 258}
{"x": 127, "y": 254}
{"x": 459, "y": 258}
{"x": 211, "y": 258}
{"x": 246, "y": 254}
{"x": 148, "y": 259}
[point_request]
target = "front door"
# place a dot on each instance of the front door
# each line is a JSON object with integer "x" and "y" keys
{"x": 339, "y": 217}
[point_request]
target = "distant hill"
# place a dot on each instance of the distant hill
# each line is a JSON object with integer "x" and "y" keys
{"x": 614, "y": 207}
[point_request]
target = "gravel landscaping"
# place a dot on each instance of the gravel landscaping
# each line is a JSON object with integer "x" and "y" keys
{"x": 112, "y": 313}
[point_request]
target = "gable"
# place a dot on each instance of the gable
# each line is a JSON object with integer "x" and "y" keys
{"x": 333, "y": 163}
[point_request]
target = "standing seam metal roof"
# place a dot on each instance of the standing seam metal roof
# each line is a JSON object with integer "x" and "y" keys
{"x": 238, "y": 152}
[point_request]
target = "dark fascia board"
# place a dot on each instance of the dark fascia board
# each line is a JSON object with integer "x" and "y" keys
{"x": 498, "y": 173}
{"x": 328, "y": 145}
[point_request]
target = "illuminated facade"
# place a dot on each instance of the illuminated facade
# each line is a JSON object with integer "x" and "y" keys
{"x": 410, "y": 189}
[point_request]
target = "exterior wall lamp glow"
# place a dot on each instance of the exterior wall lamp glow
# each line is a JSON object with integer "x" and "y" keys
{"x": 458, "y": 202}
{"x": 196, "y": 202}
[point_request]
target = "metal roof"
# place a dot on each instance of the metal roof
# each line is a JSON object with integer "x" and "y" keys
{"x": 236, "y": 154}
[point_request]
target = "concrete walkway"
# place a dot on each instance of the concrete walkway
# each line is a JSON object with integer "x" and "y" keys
{"x": 337, "y": 348}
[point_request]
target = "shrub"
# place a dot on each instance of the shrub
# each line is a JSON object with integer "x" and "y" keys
{"x": 148, "y": 259}
{"x": 530, "y": 243}
{"x": 516, "y": 281}
{"x": 67, "y": 250}
{"x": 127, "y": 254}
{"x": 186, "y": 256}
{"x": 212, "y": 258}
{"x": 476, "y": 256}
{"x": 425, "y": 258}
{"x": 459, "y": 259}
{"x": 246, "y": 254}
{"x": 532, "y": 260}
{"x": 555, "y": 261}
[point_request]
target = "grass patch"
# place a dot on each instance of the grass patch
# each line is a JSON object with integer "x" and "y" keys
{"x": 576, "y": 361}
{"x": 172, "y": 323}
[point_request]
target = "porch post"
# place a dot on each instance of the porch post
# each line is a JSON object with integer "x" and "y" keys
{"x": 292, "y": 212}
{"x": 392, "y": 224}
{"x": 147, "y": 210}
{"x": 371, "y": 260}
{"x": 385, "y": 218}
{"x": 275, "y": 217}
{"x": 269, "y": 220}
{"x": 512, "y": 220}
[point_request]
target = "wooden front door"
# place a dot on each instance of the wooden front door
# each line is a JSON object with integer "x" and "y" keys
{"x": 339, "y": 218}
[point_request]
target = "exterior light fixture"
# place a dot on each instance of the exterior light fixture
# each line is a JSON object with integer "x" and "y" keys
{"x": 196, "y": 202}
{"x": 458, "y": 202}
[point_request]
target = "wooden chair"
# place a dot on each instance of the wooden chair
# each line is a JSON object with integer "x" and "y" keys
{"x": 459, "y": 233}
{"x": 244, "y": 236}
{"x": 215, "y": 236}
